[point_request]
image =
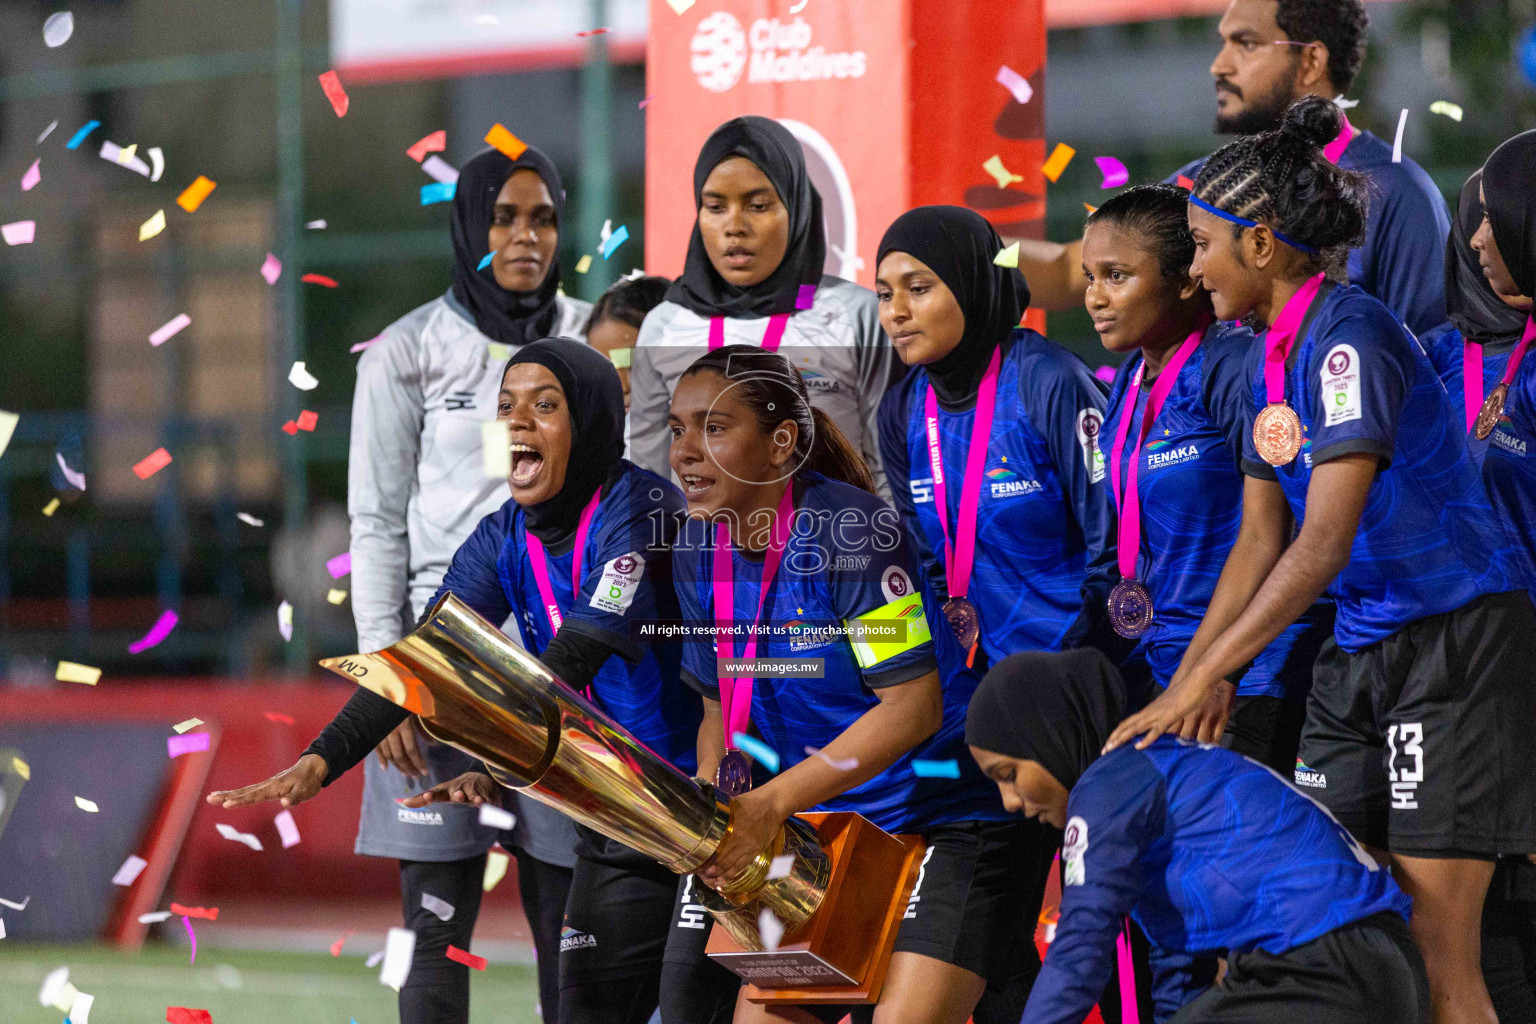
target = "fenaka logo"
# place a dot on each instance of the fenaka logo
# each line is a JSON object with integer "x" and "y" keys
{"x": 570, "y": 938}
{"x": 411, "y": 817}
{"x": 1160, "y": 454}
{"x": 1504, "y": 437}
{"x": 1307, "y": 777}
{"x": 779, "y": 53}
{"x": 1005, "y": 483}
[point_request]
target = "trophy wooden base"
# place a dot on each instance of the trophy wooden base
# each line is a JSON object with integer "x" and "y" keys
{"x": 841, "y": 954}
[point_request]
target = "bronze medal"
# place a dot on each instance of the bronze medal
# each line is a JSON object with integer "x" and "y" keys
{"x": 964, "y": 621}
{"x": 1277, "y": 434}
{"x": 1130, "y": 608}
{"x": 1493, "y": 408}
{"x": 734, "y": 775}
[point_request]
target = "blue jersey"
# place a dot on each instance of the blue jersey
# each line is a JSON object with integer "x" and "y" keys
{"x": 1044, "y": 512}
{"x": 626, "y": 579}
{"x": 1191, "y": 493}
{"x": 846, "y": 560}
{"x": 1506, "y": 456}
{"x": 1429, "y": 540}
{"x": 1402, "y": 260}
{"x": 1211, "y": 853}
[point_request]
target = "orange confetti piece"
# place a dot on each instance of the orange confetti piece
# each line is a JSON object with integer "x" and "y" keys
{"x": 499, "y": 138}
{"x": 290, "y": 428}
{"x": 331, "y": 83}
{"x": 459, "y": 956}
{"x": 336, "y": 946}
{"x": 152, "y": 463}
{"x": 194, "y": 194}
{"x": 320, "y": 279}
{"x": 307, "y": 420}
{"x": 1058, "y": 160}
{"x": 278, "y": 716}
{"x": 1185, "y": 181}
{"x": 433, "y": 143}
{"x": 1091, "y": 209}
{"x": 206, "y": 913}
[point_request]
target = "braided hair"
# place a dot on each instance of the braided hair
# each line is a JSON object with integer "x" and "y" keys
{"x": 1282, "y": 179}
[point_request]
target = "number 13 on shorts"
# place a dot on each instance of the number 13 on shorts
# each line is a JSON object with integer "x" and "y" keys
{"x": 1405, "y": 763}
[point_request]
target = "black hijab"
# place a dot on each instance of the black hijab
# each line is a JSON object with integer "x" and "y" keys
{"x": 777, "y": 154}
{"x": 1056, "y": 708}
{"x": 1470, "y": 301}
{"x": 959, "y": 245}
{"x": 595, "y": 399}
{"x": 1509, "y": 186}
{"x": 512, "y": 318}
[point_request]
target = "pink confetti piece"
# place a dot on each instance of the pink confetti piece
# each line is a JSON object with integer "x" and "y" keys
{"x": 591, "y": 32}
{"x": 19, "y": 232}
{"x": 191, "y": 935}
{"x": 158, "y": 632}
{"x": 331, "y": 83}
{"x": 76, "y": 480}
{"x": 647, "y": 101}
{"x": 152, "y": 463}
{"x": 440, "y": 170}
{"x": 33, "y": 176}
{"x": 190, "y": 743}
{"x": 336, "y": 946}
{"x": 1113, "y": 170}
{"x": 805, "y": 298}
{"x": 363, "y": 346}
{"x": 173, "y": 327}
{"x": 278, "y": 716}
{"x": 129, "y": 872}
{"x": 1015, "y": 83}
{"x": 1105, "y": 373}
{"x": 340, "y": 565}
{"x": 287, "y": 829}
{"x": 272, "y": 268}
{"x": 436, "y": 142}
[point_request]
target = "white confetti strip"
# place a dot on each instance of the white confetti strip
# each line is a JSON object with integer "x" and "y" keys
{"x": 495, "y": 817}
{"x": 86, "y": 805}
{"x": 770, "y": 929}
{"x": 301, "y": 378}
{"x": 154, "y": 917}
{"x": 441, "y": 908}
{"x": 397, "y": 957}
{"x": 129, "y": 872}
{"x": 232, "y": 833}
{"x": 249, "y": 520}
{"x": 1397, "y": 143}
{"x": 781, "y": 866}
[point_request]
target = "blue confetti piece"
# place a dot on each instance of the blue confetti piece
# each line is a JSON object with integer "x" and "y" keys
{"x": 935, "y": 769}
{"x": 487, "y": 261}
{"x": 437, "y": 192}
{"x": 615, "y": 240}
{"x": 761, "y": 752}
{"x": 79, "y": 136}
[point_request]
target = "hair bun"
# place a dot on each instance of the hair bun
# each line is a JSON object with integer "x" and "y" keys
{"x": 1313, "y": 119}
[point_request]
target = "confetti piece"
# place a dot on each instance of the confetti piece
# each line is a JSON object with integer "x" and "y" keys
{"x": 35, "y": 174}
{"x": 73, "y": 672}
{"x": 994, "y": 166}
{"x": 1344, "y": 104}
{"x": 47, "y": 131}
{"x": 1057, "y": 161}
{"x": 1185, "y": 181}
{"x": 52, "y": 507}
{"x": 123, "y": 156}
{"x": 79, "y": 136}
{"x": 1115, "y": 173}
{"x": 185, "y": 1015}
{"x": 1449, "y": 109}
{"x": 374, "y": 958}
{"x": 192, "y": 935}
{"x": 86, "y": 805}
{"x": 495, "y": 450}
{"x": 173, "y": 327}
{"x": 194, "y": 194}
{"x": 1015, "y": 83}
{"x": 340, "y": 565}
{"x": 2, "y": 927}
{"x": 492, "y": 816}
{"x": 249, "y": 520}
{"x": 499, "y": 353}
{"x": 156, "y": 162}
{"x": 499, "y": 138}
{"x": 154, "y": 917}
{"x": 158, "y": 632}
{"x": 301, "y": 378}
{"x": 206, "y": 913}
{"x": 760, "y": 751}
{"x": 335, "y": 93}
{"x": 398, "y": 948}
{"x": 315, "y": 225}
{"x": 437, "y": 193}
{"x": 799, "y": 7}
{"x": 485, "y": 261}
{"x": 192, "y": 743}
{"x": 935, "y": 769}
{"x": 1105, "y": 374}
{"x": 1091, "y": 209}
{"x": 278, "y": 716}
{"x": 320, "y": 279}
{"x": 459, "y": 956}
{"x": 770, "y": 929}
{"x": 8, "y": 421}
{"x": 584, "y": 264}
{"x": 290, "y": 428}
{"x": 336, "y": 946}
{"x": 647, "y": 101}
{"x": 19, "y": 232}
{"x": 191, "y": 723}
{"x": 1397, "y": 143}
{"x": 843, "y": 766}
{"x": 615, "y": 240}
{"x": 496, "y": 864}
{"x": 23, "y": 904}
{"x": 235, "y": 835}
{"x": 363, "y": 346}
{"x": 126, "y": 154}
{"x": 152, "y": 227}
{"x": 681, "y": 6}
{"x": 805, "y": 298}
{"x": 271, "y": 268}
{"x": 441, "y": 170}
{"x": 130, "y": 870}
{"x": 80, "y": 1008}
{"x": 435, "y": 142}
{"x": 285, "y": 621}
{"x": 442, "y": 909}
{"x": 1008, "y": 257}
{"x": 76, "y": 480}
{"x": 23, "y": 769}
{"x": 307, "y": 420}
{"x": 622, "y": 358}
{"x": 56, "y": 32}
{"x": 781, "y": 866}
{"x": 591, "y": 32}
{"x": 287, "y": 829}
{"x": 152, "y": 463}
{"x": 335, "y": 596}
{"x": 55, "y": 986}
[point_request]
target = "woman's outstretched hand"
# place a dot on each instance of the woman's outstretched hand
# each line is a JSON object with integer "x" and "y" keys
{"x": 470, "y": 788}
{"x": 1185, "y": 696}
{"x": 289, "y": 787}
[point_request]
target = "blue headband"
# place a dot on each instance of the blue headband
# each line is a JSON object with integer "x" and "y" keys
{"x": 1245, "y": 222}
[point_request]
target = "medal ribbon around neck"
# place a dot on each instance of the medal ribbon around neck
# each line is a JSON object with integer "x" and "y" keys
{"x": 540, "y": 563}
{"x": 1493, "y": 407}
{"x": 1277, "y": 414}
{"x": 772, "y": 334}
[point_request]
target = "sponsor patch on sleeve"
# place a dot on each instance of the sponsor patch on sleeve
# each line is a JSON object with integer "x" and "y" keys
{"x": 892, "y": 629}
{"x": 1089, "y": 422}
{"x": 1341, "y": 385}
{"x": 615, "y": 592}
{"x": 895, "y": 583}
{"x": 1074, "y": 847}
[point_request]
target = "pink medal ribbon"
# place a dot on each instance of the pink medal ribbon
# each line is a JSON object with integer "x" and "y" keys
{"x": 736, "y": 692}
{"x": 1336, "y": 148}
{"x": 1483, "y": 413}
{"x": 1129, "y": 540}
{"x": 1282, "y": 333}
{"x": 1472, "y": 379}
{"x": 771, "y": 336}
{"x": 540, "y": 563}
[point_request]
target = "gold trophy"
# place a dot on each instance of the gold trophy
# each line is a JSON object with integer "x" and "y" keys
{"x": 841, "y": 901}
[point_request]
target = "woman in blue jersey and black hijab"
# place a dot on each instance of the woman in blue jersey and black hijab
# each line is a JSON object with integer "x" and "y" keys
{"x": 1210, "y": 853}
{"x": 783, "y": 530}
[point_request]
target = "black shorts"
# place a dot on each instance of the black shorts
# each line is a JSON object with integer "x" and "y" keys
{"x": 617, "y": 916}
{"x": 1420, "y": 743}
{"x": 1368, "y": 970}
{"x": 1267, "y": 729}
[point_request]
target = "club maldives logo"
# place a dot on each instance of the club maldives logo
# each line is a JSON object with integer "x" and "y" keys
{"x": 1505, "y": 439}
{"x": 1005, "y": 483}
{"x": 779, "y": 53}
